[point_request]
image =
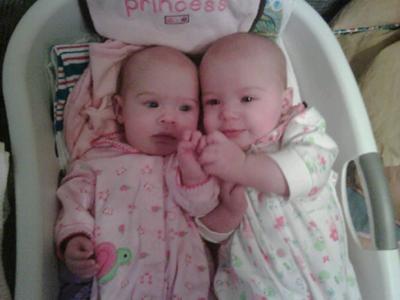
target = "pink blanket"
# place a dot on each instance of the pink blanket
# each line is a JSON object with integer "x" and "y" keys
{"x": 89, "y": 111}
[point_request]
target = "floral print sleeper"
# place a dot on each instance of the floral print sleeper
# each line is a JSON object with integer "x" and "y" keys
{"x": 139, "y": 217}
{"x": 291, "y": 248}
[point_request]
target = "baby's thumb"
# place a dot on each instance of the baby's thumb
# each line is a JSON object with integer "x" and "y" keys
{"x": 86, "y": 245}
{"x": 215, "y": 137}
{"x": 201, "y": 145}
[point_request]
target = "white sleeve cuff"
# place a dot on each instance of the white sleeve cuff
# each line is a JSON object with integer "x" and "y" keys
{"x": 209, "y": 235}
{"x": 295, "y": 171}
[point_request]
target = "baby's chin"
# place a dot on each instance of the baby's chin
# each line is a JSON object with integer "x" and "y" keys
{"x": 244, "y": 141}
{"x": 161, "y": 152}
{"x": 244, "y": 145}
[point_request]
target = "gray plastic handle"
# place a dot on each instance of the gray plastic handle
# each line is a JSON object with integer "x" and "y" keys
{"x": 378, "y": 199}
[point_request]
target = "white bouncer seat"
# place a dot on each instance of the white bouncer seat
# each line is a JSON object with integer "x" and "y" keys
{"x": 325, "y": 81}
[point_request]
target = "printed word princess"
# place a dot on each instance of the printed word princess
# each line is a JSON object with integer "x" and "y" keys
{"x": 174, "y": 6}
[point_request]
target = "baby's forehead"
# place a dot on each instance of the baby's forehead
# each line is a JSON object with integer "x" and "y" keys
{"x": 246, "y": 45}
{"x": 153, "y": 60}
{"x": 257, "y": 52}
{"x": 157, "y": 57}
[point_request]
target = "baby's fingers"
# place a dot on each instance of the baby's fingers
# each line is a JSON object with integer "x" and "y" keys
{"x": 187, "y": 135}
{"x": 83, "y": 268}
{"x": 77, "y": 253}
{"x": 207, "y": 156}
{"x": 216, "y": 137}
{"x": 226, "y": 188}
{"x": 184, "y": 146}
{"x": 201, "y": 145}
{"x": 196, "y": 136}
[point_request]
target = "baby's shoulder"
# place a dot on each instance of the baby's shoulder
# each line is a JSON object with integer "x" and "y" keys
{"x": 307, "y": 121}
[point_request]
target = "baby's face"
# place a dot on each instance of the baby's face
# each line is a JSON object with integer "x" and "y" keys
{"x": 159, "y": 103}
{"x": 242, "y": 97}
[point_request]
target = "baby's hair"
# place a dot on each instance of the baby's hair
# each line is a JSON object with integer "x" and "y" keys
{"x": 140, "y": 60}
{"x": 126, "y": 63}
{"x": 248, "y": 44}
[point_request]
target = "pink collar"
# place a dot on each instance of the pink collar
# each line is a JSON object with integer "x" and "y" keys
{"x": 277, "y": 133}
{"x": 114, "y": 140}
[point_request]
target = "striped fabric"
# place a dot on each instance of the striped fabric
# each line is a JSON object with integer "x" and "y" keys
{"x": 71, "y": 61}
{"x": 346, "y": 31}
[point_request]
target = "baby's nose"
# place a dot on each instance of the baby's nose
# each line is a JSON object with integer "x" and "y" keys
{"x": 167, "y": 118}
{"x": 229, "y": 112}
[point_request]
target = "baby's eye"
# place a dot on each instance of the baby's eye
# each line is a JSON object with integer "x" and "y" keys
{"x": 185, "y": 107}
{"x": 151, "y": 104}
{"x": 247, "y": 99}
{"x": 212, "y": 102}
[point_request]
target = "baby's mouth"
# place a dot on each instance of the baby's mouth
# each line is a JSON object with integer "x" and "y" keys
{"x": 164, "y": 138}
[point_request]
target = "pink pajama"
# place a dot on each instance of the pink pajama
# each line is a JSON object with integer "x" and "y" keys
{"x": 139, "y": 216}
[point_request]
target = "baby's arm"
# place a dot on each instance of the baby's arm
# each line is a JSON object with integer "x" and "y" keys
{"x": 187, "y": 153}
{"x": 219, "y": 223}
{"x": 299, "y": 168}
{"x": 74, "y": 226}
{"x": 191, "y": 188}
{"x": 79, "y": 256}
{"x": 224, "y": 159}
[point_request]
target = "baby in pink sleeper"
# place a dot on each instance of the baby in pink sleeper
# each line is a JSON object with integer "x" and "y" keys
{"x": 285, "y": 238}
{"x": 127, "y": 207}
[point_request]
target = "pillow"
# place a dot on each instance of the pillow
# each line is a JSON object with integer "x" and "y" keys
{"x": 374, "y": 52}
{"x": 372, "y": 56}
{"x": 381, "y": 92}
{"x": 367, "y": 13}
{"x": 362, "y": 16}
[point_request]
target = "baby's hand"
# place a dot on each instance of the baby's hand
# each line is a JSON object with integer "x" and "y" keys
{"x": 79, "y": 257}
{"x": 222, "y": 158}
{"x": 188, "y": 151}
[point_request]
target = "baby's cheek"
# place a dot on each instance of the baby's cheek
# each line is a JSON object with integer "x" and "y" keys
{"x": 210, "y": 123}
{"x": 191, "y": 123}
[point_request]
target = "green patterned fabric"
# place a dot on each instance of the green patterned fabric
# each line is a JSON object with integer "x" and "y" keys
{"x": 270, "y": 21}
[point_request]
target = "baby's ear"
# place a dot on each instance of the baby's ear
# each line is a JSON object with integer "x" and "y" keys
{"x": 287, "y": 99}
{"x": 117, "y": 102}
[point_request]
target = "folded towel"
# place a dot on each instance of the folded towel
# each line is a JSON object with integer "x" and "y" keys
{"x": 89, "y": 111}
{"x": 67, "y": 63}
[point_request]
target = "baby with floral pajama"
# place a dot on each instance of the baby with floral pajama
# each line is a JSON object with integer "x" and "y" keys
{"x": 285, "y": 237}
{"x": 127, "y": 204}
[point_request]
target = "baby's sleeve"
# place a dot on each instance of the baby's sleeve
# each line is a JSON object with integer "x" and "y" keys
{"x": 307, "y": 154}
{"x": 197, "y": 200}
{"x": 76, "y": 196}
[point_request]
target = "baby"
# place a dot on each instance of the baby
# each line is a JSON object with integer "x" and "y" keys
{"x": 287, "y": 236}
{"x": 126, "y": 207}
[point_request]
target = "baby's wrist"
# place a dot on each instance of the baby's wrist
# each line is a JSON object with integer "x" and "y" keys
{"x": 242, "y": 174}
{"x": 235, "y": 209}
{"x": 194, "y": 182}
